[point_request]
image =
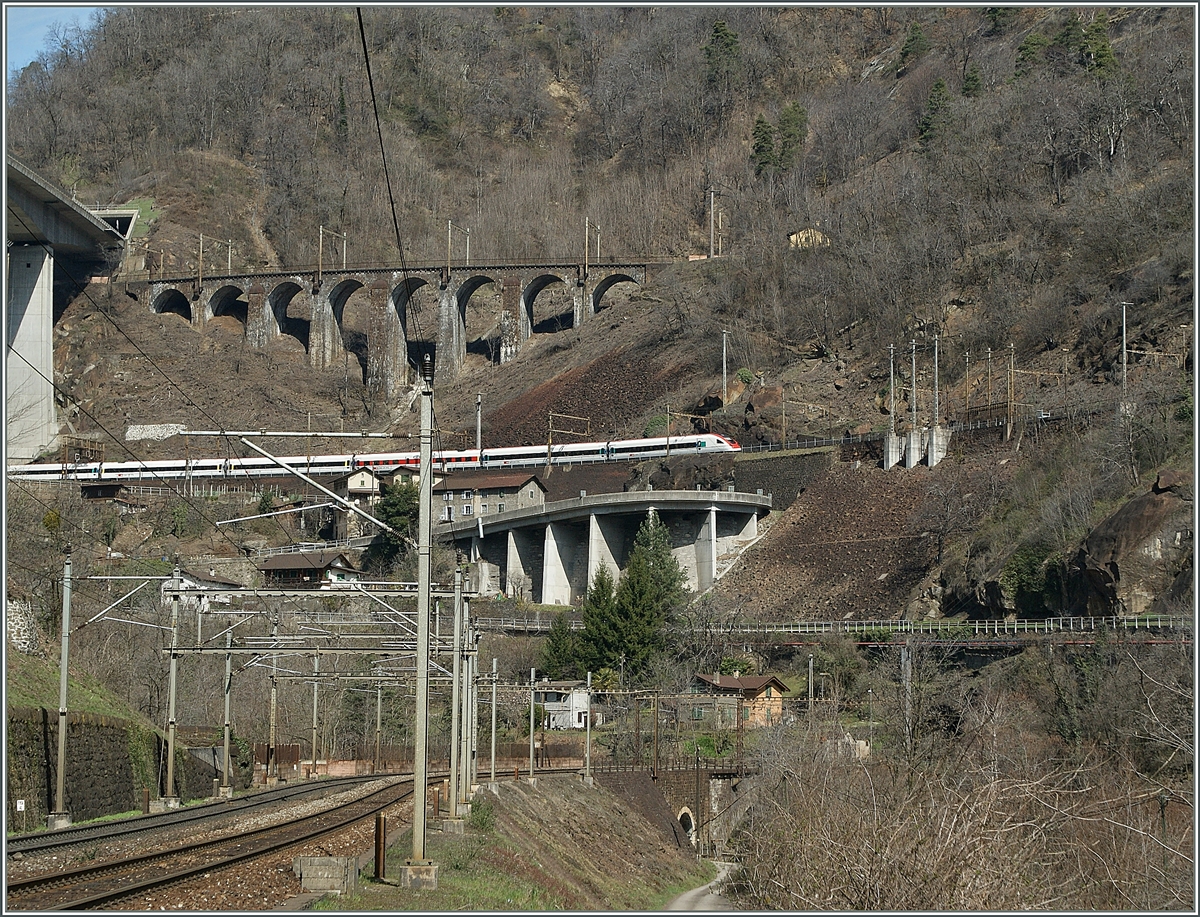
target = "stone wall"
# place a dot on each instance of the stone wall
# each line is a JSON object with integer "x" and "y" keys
{"x": 108, "y": 762}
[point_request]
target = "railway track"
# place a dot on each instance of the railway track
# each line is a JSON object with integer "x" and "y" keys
{"x": 108, "y": 883}
{"x": 91, "y": 834}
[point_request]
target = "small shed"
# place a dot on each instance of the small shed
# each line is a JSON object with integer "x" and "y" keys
{"x": 565, "y": 703}
{"x": 308, "y": 569}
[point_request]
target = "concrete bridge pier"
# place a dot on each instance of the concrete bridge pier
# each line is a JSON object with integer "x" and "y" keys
{"x": 606, "y": 543}
{"x": 893, "y": 450}
{"x": 260, "y": 321}
{"x": 524, "y": 557}
{"x": 32, "y": 422}
{"x": 914, "y": 448}
{"x": 939, "y": 442}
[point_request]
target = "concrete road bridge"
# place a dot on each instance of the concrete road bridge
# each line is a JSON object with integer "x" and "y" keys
{"x": 54, "y": 245}
{"x": 551, "y": 552}
{"x": 402, "y": 324}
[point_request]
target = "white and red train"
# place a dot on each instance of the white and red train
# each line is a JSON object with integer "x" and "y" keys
{"x": 148, "y": 472}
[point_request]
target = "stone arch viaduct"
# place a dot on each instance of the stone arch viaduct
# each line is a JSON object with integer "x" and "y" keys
{"x": 402, "y": 322}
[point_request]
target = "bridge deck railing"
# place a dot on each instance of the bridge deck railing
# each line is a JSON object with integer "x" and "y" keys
{"x": 950, "y": 629}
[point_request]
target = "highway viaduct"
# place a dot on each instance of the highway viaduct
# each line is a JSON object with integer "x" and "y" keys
{"x": 548, "y": 554}
{"x": 53, "y": 245}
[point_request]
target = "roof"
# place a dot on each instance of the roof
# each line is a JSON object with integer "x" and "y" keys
{"x": 500, "y": 480}
{"x": 311, "y": 560}
{"x": 209, "y": 579}
{"x": 747, "y": 684}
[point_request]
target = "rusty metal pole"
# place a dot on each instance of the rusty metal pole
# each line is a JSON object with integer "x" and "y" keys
{"x": 316, "y": 671}
{"x": 494, "y": 719}
{"x": 455, "y": 702}
{"x": 380, "y": 843}
{"x": 532, "y": 673}
{"x": 225, "y": 775}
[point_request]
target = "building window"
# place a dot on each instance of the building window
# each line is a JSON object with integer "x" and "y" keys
{"x": 448, "y": 514}
{"x": 483, "y": 509}
{"x": 468, "y": 509}
{"x": 499, "y": 507}
{"x": 447, "y": 496}
{"x": 466, "y": 495}
{"x": 697, "y": 713}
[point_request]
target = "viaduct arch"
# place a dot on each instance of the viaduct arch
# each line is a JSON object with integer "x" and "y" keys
{"x": 400, "y": 324}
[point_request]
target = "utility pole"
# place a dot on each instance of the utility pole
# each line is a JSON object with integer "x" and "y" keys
{"x": 913, "y": 406}
{"x": 587, "y": 751}
{"x": 316, "y": 675}
{"x": 1012, "y": 394}
{"x": 586, "y": 221}
{"x": 172, "y": 796}
{"x": 378, "y": 726}
{"x": 532, "y": 672}
{"x": 724, "y": 370}
{"x": 967, "y": 391}
{"x": 1124, "y": 358}
{"x": 200, "y": 264}
{"x": 712, "y": 197}
{"x": 478, "y": 421}
{"x": 60, "y": 818}
{"x": 456, "y": 683}
{"x": 493, "y": 719}
{"x": 810, "y": 677}
{"x": 420, "y": 872}
{"x": 225, "y": 777}
{"x": 892, "y": 390}
{"x": 936, "y": 408}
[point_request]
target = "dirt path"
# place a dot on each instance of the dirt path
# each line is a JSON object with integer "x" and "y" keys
{"x": 706, "y": 897}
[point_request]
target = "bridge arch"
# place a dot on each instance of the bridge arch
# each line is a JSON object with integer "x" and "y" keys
{"x": 229, "y": 300}
{"x": 354, "y": 340}
{"x": 423, "y": 339}
{"x": 604, "y": 286}
{"x": 561, "y": 319}
{"x": 173, "y": 300}
{"x": 279, "y": 299}
{"x": 478, "y": 343}
{"x": 688, "y": 822}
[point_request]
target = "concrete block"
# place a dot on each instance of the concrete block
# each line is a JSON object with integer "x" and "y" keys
{"x": 421, "y": 876}
{"x": 452, "y": 826}
{"x": 326, "y": 874}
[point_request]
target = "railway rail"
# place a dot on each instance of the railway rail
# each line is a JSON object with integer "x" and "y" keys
{"x": 91, "y": 834}
{"x": 106, "y": 883}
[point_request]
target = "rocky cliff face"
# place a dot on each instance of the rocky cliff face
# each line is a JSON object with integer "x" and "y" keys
{"x": 1140, "y": 558}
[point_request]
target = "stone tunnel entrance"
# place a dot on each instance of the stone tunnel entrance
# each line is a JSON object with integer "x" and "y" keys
{"x": 685, "y": 822}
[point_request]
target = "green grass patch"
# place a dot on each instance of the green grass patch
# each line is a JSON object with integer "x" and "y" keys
{"x": 34, "y": 682}
{"x": 147, "y": 213}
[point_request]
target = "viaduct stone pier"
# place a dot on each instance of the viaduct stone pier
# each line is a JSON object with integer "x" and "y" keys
{"x": 400, "y": 316}
{"x": 549, "y": 554}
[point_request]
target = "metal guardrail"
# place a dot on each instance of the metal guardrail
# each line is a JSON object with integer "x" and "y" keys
{"x": 305, "y": 547}
{"x": 542, "y": 623}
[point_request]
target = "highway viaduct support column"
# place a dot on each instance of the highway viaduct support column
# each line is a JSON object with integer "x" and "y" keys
{"x": 914, "y": 448}
{"x": 563, "y": 547}
{"x": 893, "y": 450}
{"x": 29, "y": 391}
{"x": 605, "y": 545}
{"x": 706, "y": 552}
{"x": 522, "y": 573}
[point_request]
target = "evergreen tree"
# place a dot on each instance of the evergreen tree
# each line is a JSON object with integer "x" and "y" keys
{"x": 399, "y": 507}
{"x": 1029, "y": 54}
{"x": 937, "y": 111}
{"x": 793, "y": 131}
{"x": 649, "y": 593}
{"x": 560, "y": 652}
{"x": 763, "y": 154}
{"x": 1098, "y": 54}
{"x": 722, "y": 55}
{"x": 972, "y": 84}
{"x": 600, "y": 642}
{"x": 915, "y": 44}
{"x": 1000, "y": 17}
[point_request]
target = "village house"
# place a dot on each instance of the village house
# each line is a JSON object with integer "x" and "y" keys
{"x": 759, "y": 698}
{"x": 565, "y": 704}
{"x": 308, "y": 570}
{"x": 216, "y": 590}
{"x": 466, "y": 494}
{"x": 362, "y": 488}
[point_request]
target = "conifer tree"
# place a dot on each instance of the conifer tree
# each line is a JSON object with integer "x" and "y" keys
{"x": 560, "y": 652}
{"x": 793, "y": 131}
{"x": 763, "y": 154}
{"x": 600, "y": 642}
